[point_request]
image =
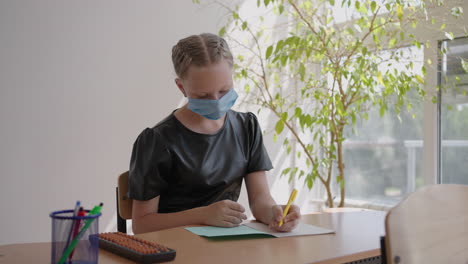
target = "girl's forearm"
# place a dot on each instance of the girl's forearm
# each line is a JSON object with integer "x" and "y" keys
{"x": 262, "y": 209}
{"x": 158, "y": 221}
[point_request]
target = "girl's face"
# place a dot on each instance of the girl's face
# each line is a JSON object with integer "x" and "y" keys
{"x": 208, "y": 82}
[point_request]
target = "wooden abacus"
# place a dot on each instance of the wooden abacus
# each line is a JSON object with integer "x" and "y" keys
{"x": 137, "y": 249}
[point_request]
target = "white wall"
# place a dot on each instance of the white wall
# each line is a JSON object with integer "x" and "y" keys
{"x": 79, "y": 80}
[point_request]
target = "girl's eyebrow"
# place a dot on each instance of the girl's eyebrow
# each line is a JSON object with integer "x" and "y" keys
{"x": 225, "y": 87}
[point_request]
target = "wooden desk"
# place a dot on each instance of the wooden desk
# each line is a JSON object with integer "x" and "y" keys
{"x": 357, "y": 237}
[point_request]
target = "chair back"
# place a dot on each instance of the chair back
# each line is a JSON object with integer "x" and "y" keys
{"x": 124, "y": 203}
{"x": 429, "y": 226}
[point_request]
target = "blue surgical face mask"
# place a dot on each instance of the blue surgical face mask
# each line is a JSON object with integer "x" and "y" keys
{"x": 213, "y": 109}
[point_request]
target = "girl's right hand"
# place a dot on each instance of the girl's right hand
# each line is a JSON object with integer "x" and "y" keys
{"x": 224, "y": 213}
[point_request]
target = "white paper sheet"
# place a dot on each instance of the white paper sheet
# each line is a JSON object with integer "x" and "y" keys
{"x": 301, "y": 230}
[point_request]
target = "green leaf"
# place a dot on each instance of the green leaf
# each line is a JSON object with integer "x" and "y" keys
{"x": 284, "y": 59}
{"x": 373, "y": 6}
{"x": 342, "y": 183}
{"x": 279, "y": 126}
{"x": 417, "y": 44}
{"x": 247, "y": 88}
{"x": 376, "y": 39}
{"x": 419, "y": 79}
{"x": 358, "y": 28}
{"x": 301, "y": 174}
{"x": 363, "y": 10}
{"x": 285, "y": 171}
{"x": 244, "y": 73}
{"x": 298, "y": 111}
{"x": 222, "y": 31}
{"x": 456, "y": 11}
{"x": 380, "y": 79}
{"x": 464, "y": 64}
{"x": 301, "y": 71}
{"x": 357, "y": 4}
{"x": 338, "y": 179}
{"x": 399, "y": 12}
{"x": 281, "y": 9}
{"x": 392, "y": 42}
{"x": 449, "y": 35}
{"x": 308, "y": 120}
{"x": 279, "y": 46}
{"x": 268, "y": 52}
{"x": 244, "y": 25}
{"x": 310, "y": 183}
{"x": 302, "y": 121}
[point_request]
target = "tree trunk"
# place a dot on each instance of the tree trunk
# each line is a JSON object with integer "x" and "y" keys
{"x": 341, "y": 168}
{"x": 329, "y": 196}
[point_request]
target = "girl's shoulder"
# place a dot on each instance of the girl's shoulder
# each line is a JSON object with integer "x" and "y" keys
{"x": 158, "y": 132}
{"x": 243, "y": 116}
{"x": 246, "y": 119}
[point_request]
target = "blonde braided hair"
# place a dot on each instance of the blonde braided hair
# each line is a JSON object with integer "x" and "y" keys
{"x": 199, "y": 50}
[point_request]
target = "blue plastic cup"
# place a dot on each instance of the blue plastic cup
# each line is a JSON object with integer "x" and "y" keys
{"x": 67, "y": 228}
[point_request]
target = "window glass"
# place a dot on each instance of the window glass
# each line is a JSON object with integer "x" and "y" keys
{"x": 383, "y": 154}
{"x": 454, "y": 111}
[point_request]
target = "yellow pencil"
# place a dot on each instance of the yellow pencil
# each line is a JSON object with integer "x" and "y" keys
{"x": 290, "y": 201}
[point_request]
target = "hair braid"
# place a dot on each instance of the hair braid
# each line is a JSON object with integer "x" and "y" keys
{"x": 199, "y": 50}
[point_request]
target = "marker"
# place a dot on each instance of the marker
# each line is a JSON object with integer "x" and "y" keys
{"x": 290, "y": 201}
{"x": 76, "y": 229}
{"x": 94, "y": 211}
{"x": 72, "y": 225}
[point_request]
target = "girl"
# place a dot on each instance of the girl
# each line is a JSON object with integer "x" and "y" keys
{"x": 188, "y": 169}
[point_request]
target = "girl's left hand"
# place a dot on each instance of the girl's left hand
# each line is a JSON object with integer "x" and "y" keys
{"x": 290, "y": 221}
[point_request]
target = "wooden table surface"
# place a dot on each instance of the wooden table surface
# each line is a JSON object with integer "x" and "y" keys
{"x": 357, "y": 236}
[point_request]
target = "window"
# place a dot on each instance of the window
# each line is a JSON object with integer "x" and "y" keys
{"x": 453, "y": 111}
{"x": 383, "y": 155}
{"x": 388, "y": 157}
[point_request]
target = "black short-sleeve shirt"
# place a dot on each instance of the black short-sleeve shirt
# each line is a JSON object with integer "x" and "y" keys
{"x": 187, "y": 169}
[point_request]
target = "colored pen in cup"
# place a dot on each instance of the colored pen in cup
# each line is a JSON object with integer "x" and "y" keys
{"x": 77, "y": 226}
{"x": 96, "y": 210}
{"x": 72, "y": 225}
